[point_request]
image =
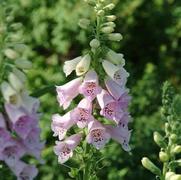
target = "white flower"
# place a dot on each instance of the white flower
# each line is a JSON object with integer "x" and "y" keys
{"x": 70, "y": 65}
{"x": 9, "y": 94}
{"x": 83, "y": 66}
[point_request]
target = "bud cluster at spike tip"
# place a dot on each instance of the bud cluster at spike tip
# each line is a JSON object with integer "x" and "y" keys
{"x": 19, "y": 126}
{"x": 106, "y": 94}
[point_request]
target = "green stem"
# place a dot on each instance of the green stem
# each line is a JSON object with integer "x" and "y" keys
{"x": 43, "y": 91}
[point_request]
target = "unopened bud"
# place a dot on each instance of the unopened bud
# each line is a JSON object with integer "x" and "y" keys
{"x": 83, "y": 66}
{"x": 95, "y": 43}
{"x": 19, "y": 74}
{"x": 100, "y": 13}
{"x": 15, "y": 82}
{"x": 84, "y": 23}
{"x": 150, "y": 166}
{"x": 10, "y": 53}
{"x": 107, "y": 30}
{"x": 111, "y": 24}
{"x": 159, "y": 140}
{"x": 163, "y": 156}
{"x": 172, "y": 176}
{"x": 173, "y": 138}
{"x": 111, "y": 18}
{"x": 115, "y": 57}
{"x": 167, "y": 128}
{"x": 177, "y": 149}
{"x": 115, "y": 37}
{"x": 109, "y": 6}
{"x": 23, "y": 64}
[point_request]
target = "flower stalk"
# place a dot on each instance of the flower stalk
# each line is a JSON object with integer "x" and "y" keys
{"x": 170, "y": 142}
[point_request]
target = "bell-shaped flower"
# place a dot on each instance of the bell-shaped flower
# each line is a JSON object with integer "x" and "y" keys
{"x": 22, "y": 123}
{"x": 124, "y": 120}
{"x": 90, "y": 86}
{"x": 67, "y": 92}
{"x": 97, "y": 134}
{"x": 82, "y": 113}
{"x": 120, "y": 94}
{"x": 121, "y": 135}
{"x": 33, "y": 144}
{"x": 4, "y": 133}
{"x": 24, "y": 171}
{"x": 115, "y": 58}
{"x": 29, "y": 103}
{"x": 64, "y": 149}
{"x": 12, "y": 151}
{"x": 70, "y": 65}
{"x": 109, "y": 106}
{"x": 83, "y": 66}
{"x": 61, "y": 124}
{"x": 9, "y": 94}
{"x": 117, "y": 73}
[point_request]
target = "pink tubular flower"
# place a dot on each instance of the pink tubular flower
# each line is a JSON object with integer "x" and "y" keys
{"x": 117, "y": 73}
{"x": 120, "y": 94}
{"x": 64, "y": 149}
{"x": 121, "y": 135}
{"x": 22, "y": 123}
{"x": 90, "y": 87}
{"x": 109, "y": 107}
{"x": 97, "y": 134}
{"x": 24, "y": 171}
{"x": 82, "y": 114}
{"x": 67, "y": 92}
{"x": 60, "y": 124}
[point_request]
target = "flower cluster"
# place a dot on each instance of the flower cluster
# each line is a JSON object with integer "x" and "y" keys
{"x": 102, "y": 114}
{"x": 19, "y": 128}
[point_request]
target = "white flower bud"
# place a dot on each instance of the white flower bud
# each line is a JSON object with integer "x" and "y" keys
{"x": 109, "y": 6}
{"x": 100, "y": 13}
{"x": 177, "y": 149}
{"x": 111, "y": 18}
{"x": 163, "y": 156}
{"x": 23, "y": 64}
{"x": 107, "y": 30}
{"x": 83, "y": 66}
{"x": 115, "y": 37}
{"x": 84, "y": 23}
{"x": 95, "y": 43}
{"x": 159, "y": 140}
{"x": 115, "y": 58}
{"x": 15, "y": 82}
{"x": 150, "y": 166}
{"x": 19, "y": 74}
{"x": 70, "y": 65}
{"x": 111, "y": 24}
{"x": 10, "y": 53}
{"x": 172, "y": 176}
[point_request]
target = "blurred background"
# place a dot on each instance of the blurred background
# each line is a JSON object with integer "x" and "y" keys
{"x": 152, "y": 49}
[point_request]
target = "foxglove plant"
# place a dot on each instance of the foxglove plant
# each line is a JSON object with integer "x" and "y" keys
{"x": 19, "y": 126}
{"x": 101, "y": 80}
{"x": 170, "y": 142}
